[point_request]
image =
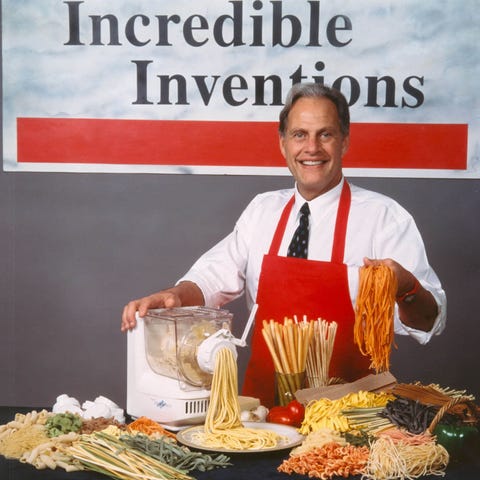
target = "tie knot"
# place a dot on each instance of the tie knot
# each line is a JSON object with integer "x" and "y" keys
{"x": 305, "y": 210}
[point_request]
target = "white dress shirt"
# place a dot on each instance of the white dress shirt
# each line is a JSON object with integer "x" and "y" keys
{"x": 378, "y": 228}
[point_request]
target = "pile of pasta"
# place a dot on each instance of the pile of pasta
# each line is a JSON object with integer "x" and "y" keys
{"x": 25, "y": 439}
{"x": 380, "y": 436}
{"x": 141, "y": 449}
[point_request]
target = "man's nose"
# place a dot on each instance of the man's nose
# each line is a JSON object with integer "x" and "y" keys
{"x": 314, "y": 144}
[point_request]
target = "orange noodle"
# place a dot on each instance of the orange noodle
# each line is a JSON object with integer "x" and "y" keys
{"x": 373, "y": 329}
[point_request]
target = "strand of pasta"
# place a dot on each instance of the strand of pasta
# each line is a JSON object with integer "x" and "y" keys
{"x": 224, "y": 409}
{"x": 373, "y": 328}
{"x": 223, "y": 427}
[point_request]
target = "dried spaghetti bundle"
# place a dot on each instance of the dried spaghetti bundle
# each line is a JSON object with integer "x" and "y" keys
{"x": 373, "y": 329}
{"x": 288, "y": 344}
{"x": 320, "y": 352}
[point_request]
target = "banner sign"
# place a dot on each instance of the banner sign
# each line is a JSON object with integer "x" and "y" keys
{"x": 196, "y": 87}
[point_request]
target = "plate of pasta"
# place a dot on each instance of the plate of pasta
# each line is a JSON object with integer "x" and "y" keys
{"x": 223, "y": 430}
{"x": 252, "y": 437}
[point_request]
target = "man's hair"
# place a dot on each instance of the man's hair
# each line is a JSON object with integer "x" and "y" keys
{"x": 316, "y": 90}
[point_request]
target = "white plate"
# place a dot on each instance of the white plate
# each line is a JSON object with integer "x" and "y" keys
{"x": 292, "y": 437}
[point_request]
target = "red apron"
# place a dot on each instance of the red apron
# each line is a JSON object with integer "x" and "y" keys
{"x": 291, "y": 286}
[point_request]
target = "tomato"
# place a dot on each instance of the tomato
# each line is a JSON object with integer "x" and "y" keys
{"x": 280, "y": 415}
{"x": 297, "y": 412}
{"x": 291, "y": 414}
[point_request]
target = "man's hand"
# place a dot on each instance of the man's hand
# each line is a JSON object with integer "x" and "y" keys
{"x": 183, "y": 294}
{"x": 420, "y": 313}
{"x": 163, "y": 299}
{"x": 405, "y": 279}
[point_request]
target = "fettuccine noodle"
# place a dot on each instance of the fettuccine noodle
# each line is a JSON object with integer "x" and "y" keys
{"x": 223, "y": 428}
{"x": 373, "y": 329}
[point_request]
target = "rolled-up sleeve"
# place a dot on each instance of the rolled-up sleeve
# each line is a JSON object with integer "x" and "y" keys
{"x": 219, "y": 272}
{"x": 439, "y": 325}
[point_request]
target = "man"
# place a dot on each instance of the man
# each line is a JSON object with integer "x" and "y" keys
{"x": 347, "y": 226}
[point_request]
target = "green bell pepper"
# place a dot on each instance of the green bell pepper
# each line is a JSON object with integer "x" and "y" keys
{"x": 460, "y": 441}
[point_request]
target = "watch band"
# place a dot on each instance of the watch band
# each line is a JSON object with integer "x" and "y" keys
{"x": 405, "y": 296}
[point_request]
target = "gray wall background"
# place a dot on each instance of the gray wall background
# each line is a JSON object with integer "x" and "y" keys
{"x": 76, "y": 247}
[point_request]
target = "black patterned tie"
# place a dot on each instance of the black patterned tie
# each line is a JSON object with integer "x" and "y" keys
{"x": 299, "y": 244}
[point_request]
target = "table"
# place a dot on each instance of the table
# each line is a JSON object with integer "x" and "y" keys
{"x": 258, "y": 466}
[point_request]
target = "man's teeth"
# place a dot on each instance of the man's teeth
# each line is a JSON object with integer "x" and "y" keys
{"x": 312, "y": 163}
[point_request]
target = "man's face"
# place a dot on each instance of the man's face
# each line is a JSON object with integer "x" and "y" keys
{"x": 313, "y": 146}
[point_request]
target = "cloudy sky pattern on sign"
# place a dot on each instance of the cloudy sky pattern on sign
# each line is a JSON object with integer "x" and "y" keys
{"x": 42, "y": 77}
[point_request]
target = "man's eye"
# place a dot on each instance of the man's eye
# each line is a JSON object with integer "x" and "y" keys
{"x": 298, "y": 134}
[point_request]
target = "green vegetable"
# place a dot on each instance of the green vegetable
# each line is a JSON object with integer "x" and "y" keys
{"x": 461, "y": 441}
{"x": 62, "y": 423}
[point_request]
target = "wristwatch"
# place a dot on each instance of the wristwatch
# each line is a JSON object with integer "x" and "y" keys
{"x": 409, "y": 297}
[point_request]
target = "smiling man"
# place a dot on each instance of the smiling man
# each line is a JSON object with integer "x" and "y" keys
{"x": 298, "y": 251}
{"x": 313, "y": 141}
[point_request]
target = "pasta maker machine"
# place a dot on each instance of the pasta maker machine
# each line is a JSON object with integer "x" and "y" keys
{"x": 171, "y": 359}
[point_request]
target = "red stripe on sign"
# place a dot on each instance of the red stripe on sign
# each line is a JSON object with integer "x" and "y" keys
{"x": 215, "y": 143}
{"x": 401, "y": 145}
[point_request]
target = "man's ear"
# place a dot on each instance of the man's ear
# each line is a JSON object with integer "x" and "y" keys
{"x": 345, "y": 144}
{"x": 281, "y": 143}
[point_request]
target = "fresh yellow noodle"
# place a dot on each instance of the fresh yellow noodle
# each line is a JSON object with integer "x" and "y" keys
{"x": 223, "y": 427}
{"x": 390, "y": 459}
{"x": 224, "y": 409}
{"x": 326, "y": 413}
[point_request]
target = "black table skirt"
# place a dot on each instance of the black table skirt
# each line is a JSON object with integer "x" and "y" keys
{"x": 245, "y": 466}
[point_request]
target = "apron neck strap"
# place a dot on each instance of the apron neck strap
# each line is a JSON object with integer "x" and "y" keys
{"x": 338, "y": 249}
{"x": 282, "y": 223}
{"x": 340, "y": 233}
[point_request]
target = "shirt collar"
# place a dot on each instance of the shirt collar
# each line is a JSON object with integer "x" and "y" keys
{"x": 319, "y": 203}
